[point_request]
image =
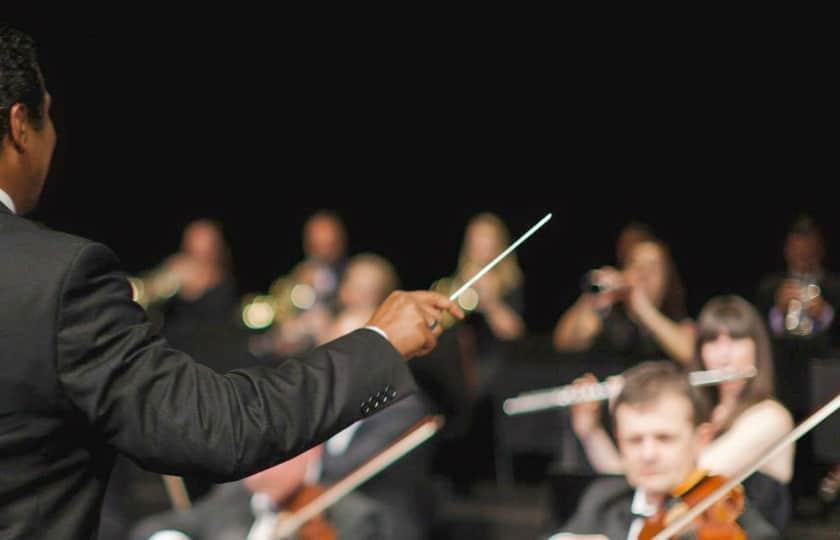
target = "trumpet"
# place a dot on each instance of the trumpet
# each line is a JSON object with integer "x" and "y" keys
{"x": 797, "y": 320}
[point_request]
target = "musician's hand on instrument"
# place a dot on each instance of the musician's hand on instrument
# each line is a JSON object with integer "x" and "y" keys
{"x": 611, "y": 285}
{"x": 412, "y": 320}
{"x": 816, "y": 306}
{"x": 586, "y": 416}
{"x": 787, "y": 291}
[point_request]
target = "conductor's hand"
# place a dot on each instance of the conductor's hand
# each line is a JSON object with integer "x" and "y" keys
{"x": 412, "y": 320}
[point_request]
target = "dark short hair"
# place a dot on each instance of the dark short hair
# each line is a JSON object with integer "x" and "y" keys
{"x": 645, "y": 383}
{"x": 20, "y": 77}
{"x": 805, "y": 225}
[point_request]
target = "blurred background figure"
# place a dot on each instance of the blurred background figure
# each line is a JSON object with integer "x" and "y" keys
{"x": 495, "y": 302}
{"x": 634, "y": 313}
{"x": 300, "y": 305}
{"x": 193, "y": 285}
{"x": 203, "y": 308}
{"x": 799, "y": 305}
{"x": 485, "y": 342}
{"x": 366, "y": 282}
{"x": 325, "y": 246}
{"x": 630, "y": 235}
{"x": 800, "y": 301}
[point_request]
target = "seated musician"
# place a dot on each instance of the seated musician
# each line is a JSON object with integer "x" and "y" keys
{"x": 747, "y": 420}
{"x": 384, "y": 507}
{"x": 661, "y": 430}
{"x": 391, "y": 505}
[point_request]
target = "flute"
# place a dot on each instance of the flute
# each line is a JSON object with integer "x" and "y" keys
{"x": 570, "y": 394}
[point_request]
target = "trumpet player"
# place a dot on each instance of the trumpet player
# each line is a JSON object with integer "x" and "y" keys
{"x": 801, "y": 300}
{"x": 799, "y": 305}
{"x": 199, "y": 272}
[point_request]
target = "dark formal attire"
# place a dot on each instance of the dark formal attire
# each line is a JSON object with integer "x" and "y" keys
{"x": 795, "y": 348}
{"x": 404, "y": 491}
{"x": 83, "y": 375}
{"x": 392, "y": 504}
{"x": 794, "y": 353}
{"x": 606, "y": 508}
{"x": 623, "y": 341}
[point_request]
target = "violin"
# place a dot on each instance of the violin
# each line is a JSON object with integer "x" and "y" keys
{"x": 317, "y": 527}
{"x": 715, "y": 523}
{"x": 317, "y": 500}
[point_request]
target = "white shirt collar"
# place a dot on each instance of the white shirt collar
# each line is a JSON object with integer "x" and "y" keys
{"x": 7, "y": 201}
{"x": 338, "y": 443}
{"x": 641, "y": 508}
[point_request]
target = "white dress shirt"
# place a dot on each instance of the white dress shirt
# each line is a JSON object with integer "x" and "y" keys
{"x": 7, "y": 201}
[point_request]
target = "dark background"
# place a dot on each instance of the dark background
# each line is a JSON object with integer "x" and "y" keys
{"x": 408, "y": 133}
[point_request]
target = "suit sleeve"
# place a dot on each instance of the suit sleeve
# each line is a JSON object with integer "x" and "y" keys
{"x": 173, "y": 415}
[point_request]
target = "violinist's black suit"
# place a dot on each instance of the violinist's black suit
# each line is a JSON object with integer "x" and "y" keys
{"x": 605, "y": 509}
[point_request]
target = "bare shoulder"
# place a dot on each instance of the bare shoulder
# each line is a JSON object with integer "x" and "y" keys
{"x": 767, "y": 414}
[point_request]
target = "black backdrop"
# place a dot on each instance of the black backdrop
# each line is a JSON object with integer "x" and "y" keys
{"x": 160, "y": 123}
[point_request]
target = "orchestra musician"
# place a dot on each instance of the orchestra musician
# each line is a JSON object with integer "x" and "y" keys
{"x": 661, "y": 429}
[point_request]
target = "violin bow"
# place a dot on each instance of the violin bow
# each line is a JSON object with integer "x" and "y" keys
{"x": 176, "y": 491}
{"x": 807, "y": 425}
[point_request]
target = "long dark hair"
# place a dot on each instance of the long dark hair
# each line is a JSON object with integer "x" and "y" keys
{"x": 737, "y": 317}
{"x": 673, "y": 302}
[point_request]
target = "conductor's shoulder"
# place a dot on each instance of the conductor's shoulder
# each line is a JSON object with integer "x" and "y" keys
{"x": 34, "y": 245}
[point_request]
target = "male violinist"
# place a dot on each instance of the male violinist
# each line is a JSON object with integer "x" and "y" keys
{"x": 660, "y": 425}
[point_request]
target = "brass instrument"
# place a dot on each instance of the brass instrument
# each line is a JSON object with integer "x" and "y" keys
{"x": 468, "y": 301}
{"x": 285, "y": 298}
{"x": 307, "y": 284}
{"x": 798, "y": 321}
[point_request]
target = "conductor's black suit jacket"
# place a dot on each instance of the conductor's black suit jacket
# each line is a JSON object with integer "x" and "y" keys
{"x": 83, "y": 375}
